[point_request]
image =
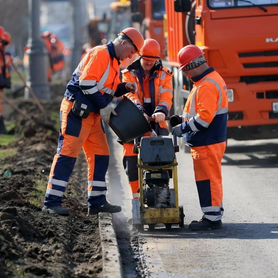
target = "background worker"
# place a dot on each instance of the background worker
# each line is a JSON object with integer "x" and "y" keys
{"x": 55, "y": 49}
{"x": 204, "y": 128}
{"x": 6, "y": 62}
{"x": 153, "y": 96}
{"x": 88, "y": 98}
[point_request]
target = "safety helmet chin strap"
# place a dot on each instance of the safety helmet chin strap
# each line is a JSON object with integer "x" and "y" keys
{"x": 196, "y": 63}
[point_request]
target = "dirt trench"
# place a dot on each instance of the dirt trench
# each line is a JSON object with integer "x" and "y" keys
{"x": 32, "y": 243}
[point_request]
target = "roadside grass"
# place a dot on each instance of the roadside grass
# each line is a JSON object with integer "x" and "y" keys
{"x": 56, "y": 118}
{"x": 37, "y": 196}
{"x": 5, "y": 141}
{"x": 7, "y": 153}
{"x": 16, "y": 80}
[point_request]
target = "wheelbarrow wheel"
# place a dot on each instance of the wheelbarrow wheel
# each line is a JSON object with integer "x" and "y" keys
{"x": 168, "y": 226}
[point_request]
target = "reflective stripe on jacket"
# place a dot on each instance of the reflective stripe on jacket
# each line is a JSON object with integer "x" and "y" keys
{"x": 157, "y": 93}
{"x": 96, "y": 78}
{"x": 206, "y": 111}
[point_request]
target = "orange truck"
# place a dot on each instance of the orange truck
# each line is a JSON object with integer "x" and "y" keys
{"x": 150, "y": 16}
{"x": 239, "y": 38}
{"x": 145, "y": 15}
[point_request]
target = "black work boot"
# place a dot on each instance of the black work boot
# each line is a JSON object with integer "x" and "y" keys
{"x": 204, "y": 225}
{"x": 106, "y": 207}
{"x": 56, "y": 210}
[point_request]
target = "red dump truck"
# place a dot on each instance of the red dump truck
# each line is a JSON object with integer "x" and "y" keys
{"x": 239, "y": 38}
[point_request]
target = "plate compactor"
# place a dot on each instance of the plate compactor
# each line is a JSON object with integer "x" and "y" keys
{"x": 158, "y": 180}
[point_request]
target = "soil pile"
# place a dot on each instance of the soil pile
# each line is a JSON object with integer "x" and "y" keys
{"x": 32, "y": 243}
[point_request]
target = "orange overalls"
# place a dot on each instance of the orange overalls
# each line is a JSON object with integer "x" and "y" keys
{"x": 57, "y": 54}
{"x": 206, "y": 113}
{"x": 153, "y": 94}
{"x": 93, "y": 82}
{"x": 6, "y": 61}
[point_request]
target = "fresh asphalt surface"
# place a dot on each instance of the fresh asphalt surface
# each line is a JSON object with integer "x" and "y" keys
{"x": 247, "y": 246}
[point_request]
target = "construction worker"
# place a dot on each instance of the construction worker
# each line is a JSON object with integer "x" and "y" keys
{"x": 89, "y": 99}
{"x": 204, "y": 128}
{"x": 57, "y": 54}
{"x": 5, "y": 72}
{"x": 153, "y": 96}
{"x": 55, "y": 49}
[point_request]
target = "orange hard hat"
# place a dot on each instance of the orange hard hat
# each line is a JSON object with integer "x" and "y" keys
{"x": 2, "y": 30}
{"x": 134, "y": 36}
{"x": 188, "y": 54}
{"x": 151, "y": 49}
{"x": 46, "y": 34}
{"x": 6, "y": 38}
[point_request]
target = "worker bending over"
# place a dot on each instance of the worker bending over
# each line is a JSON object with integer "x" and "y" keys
{"x": 89, "y": 99}
{"x": 153, "y": 96}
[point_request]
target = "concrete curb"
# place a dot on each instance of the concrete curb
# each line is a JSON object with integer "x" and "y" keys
{"x": 110, "y": 251}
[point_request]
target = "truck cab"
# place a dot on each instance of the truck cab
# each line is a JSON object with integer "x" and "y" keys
{"x": 239, "y": 38}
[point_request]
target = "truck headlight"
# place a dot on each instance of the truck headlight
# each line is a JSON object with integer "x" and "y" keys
{"x": 230, "y": 95}
{"x": 275, "y": 107}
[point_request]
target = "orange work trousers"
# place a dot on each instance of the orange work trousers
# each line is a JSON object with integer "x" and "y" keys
{"x": 207, "y": 161}
{"x": 130, "y": 166}
{"x": 77, "y": 134}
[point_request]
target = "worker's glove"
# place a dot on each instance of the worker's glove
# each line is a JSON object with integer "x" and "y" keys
{"x": 80, "y": 109}
{"x": 107, "y": 111}
{"x": 177, "y": 130}
{"x": 158, "y": 117}
{"x": 175, "y": 120}
{"x": 124, "y": 88}
{"x": 131, "y": 87}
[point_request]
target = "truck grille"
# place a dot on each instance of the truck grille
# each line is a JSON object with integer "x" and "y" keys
{"x": 260, "y": 60}
{"x": 259, "y": 54}
{"x": 261, "y": 65}
{"x": 235, "y": 116}
{"x": 256, "y": 79}
{"x": 267, "y": 95}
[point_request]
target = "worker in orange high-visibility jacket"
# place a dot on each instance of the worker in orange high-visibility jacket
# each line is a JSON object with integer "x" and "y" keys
{"x": 204, "y": 128}
{"x": 88, "y": 99}
{"x": 6, "y": 62}
{"x": 55, "y": 49}
{"x": 57, "y": 54}
{"x": 153, "y": 96}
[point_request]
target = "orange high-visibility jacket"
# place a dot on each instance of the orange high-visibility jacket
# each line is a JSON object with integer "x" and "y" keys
{"x": 206, "y": 111}
{"x": 96, "y": 78}
{"x": 57, "y": 55}
{"x": 6, "y": 62}
{"x": 153, "y": 94}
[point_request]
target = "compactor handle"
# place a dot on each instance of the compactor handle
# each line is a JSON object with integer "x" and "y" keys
{"x": 175, "y": 138}
{"x": 176, "y": 146}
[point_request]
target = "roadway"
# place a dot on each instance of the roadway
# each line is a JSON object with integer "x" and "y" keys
{"x": 248, "y": 243}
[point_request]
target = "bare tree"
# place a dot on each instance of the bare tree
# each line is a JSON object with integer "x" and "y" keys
{"x": 14, "y": 18}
